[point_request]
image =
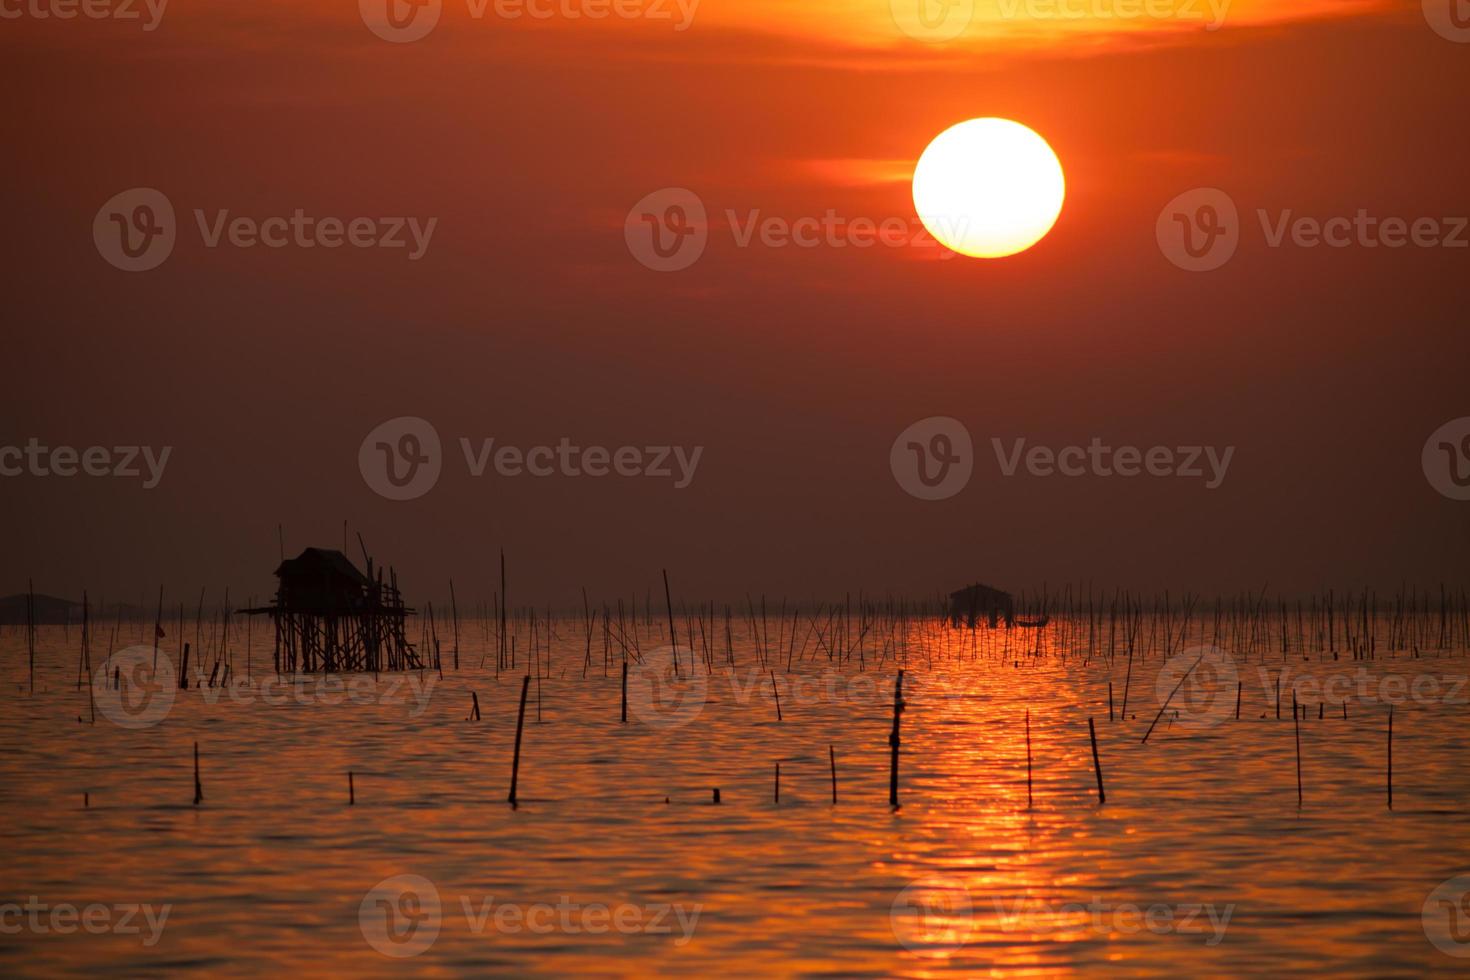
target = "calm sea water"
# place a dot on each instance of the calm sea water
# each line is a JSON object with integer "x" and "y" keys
{"x": 617, "y": 863}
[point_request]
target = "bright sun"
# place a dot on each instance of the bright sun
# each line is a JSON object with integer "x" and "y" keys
{"x": 988, "y": 187}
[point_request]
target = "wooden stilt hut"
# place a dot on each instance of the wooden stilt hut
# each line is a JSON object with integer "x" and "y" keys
{"x": 332, "y": 618}
{"x": 970, "y": 605}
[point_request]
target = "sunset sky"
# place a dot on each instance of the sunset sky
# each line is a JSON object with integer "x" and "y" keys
{"x": 528, "y": 320}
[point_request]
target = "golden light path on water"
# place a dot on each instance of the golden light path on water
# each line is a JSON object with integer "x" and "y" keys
{"x": 1199, "y": 864}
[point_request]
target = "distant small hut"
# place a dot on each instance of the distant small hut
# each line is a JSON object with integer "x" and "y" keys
{"x": 332, "y": 618}
{"x": 968, "y": 605}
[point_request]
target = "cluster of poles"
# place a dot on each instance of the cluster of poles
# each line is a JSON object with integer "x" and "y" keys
{"x": 864, "y": 633}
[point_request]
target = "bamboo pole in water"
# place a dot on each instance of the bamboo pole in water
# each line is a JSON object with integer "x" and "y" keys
{"x": 1096, "y": 763}
{"x": 893, "y": 742}
{"x": 832, "y": 757}
{"x": 515, "y": 766}
{"x": 673, "y": 634}
{"x": 1390, "y": 757}
{"x": 198, "y": 788}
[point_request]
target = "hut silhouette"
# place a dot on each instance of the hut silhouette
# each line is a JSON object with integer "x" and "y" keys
{"x": 331, "y": 617}
{"x": 968, "y": 605}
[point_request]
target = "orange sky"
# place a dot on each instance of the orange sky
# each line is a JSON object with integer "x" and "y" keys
{"x": 528, "y": 319}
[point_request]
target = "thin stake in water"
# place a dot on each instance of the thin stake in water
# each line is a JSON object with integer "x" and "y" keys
{"x": 198, "y": 789}
{"x": 1096, "y": 763}
{"x": 515, "y": 765}
{"x": 832, "y": 756}
{"x": 1390, "y": 757}
{"x": 893, "y": 742}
